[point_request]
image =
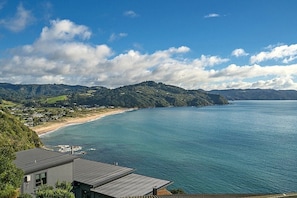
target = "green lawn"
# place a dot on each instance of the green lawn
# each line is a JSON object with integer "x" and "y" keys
{"x": 53, "y": 100}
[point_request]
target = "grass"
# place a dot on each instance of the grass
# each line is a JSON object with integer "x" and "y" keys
{"x": 53, "y": 100}
{"x": 5, "y": 103}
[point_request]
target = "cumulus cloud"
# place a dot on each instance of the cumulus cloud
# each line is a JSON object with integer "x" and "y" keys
{"x": 285, "y": 53}
{"x": 64, "y": 30}
{"x": 20, "y": 21}
{"x": 130, "y": 13}
{"x": 212, "y": 15}
{"x": 115, "y": 36}
{"x": 62, "y": 54}
{"x": 251, "y": 76}
{"x": 239, "y": 52}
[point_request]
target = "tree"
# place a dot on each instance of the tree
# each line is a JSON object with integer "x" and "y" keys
{"x": 61, "y": 189}
{"x": 10, "y": 175}
{"x": 177, "y": 191}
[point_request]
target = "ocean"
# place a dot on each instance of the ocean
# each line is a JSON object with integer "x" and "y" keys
{"x": 243, "y": 147}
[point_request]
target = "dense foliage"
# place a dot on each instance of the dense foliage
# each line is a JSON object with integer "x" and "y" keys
{"x": 61, "y": 189}
{"x": 142, "y": 95}
{"x": 177, "y": 191}
{"x": 151, "y": 94}
{"x": 26, "y": 92}
{"x": 257, "y": 94}
{"x": 15, "y": 134}
{"x": 10, "y": 175}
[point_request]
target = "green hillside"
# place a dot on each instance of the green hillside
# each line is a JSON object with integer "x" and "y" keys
{"x": 142, "y": 95}
{"x": 15, "y": 134}
{"x": 152, "y": 94}
{"x": 257, "y": 94}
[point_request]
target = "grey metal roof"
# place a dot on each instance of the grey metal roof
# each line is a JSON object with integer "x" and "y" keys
{"x": 37, "y": 159}
{"x": 131, "y": 185}
{"x": 96, "y": 173}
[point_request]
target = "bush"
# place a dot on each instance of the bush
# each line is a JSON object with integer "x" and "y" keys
{"x": 61, "y": 189}
{"x": 177, "y": 191}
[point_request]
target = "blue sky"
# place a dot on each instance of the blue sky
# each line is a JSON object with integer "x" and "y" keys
{"x": 194, "y": 44}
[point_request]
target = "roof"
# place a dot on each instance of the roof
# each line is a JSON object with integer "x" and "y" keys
{"x": 131, "y": 185}
{"x": 37, "y": 159}
{"x": 96, "y": 173}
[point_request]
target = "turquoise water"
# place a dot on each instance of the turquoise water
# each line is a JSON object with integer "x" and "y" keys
{"x": 244, "y": 147}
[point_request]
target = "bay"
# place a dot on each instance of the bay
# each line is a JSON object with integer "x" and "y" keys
{"x": 244, "y": 147}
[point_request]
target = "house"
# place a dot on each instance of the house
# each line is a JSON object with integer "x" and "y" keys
{"x": 42, "y": 166}
{"x": 90, "y": 179}
{"x": 100, "y": 180}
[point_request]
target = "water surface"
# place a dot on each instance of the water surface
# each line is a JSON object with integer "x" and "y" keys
{"x": 244, "y": 147}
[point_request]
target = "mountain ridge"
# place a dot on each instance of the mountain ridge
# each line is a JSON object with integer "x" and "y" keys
{"x": 141, "y": 95}
{"x": 256, "y": 94}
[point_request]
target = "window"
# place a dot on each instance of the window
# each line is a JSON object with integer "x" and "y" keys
{"x": 40, "y": 179}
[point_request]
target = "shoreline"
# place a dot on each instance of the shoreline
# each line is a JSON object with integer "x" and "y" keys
{"x": 51, "y": 127}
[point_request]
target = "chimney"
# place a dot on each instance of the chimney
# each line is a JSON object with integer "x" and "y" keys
{"x": 155, "y": 191}
{"x": 72, "y": 152}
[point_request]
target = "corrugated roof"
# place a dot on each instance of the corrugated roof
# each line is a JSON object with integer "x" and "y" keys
{"x": 131, "y": 185}
{"x": 37, "y": 159}
{"x": 96, "y": 173}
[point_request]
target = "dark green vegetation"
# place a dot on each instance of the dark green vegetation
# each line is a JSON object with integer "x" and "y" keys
{"x": 61, "y": 189}
{"x": 142, "y": 95}
{"x": 177, "y": 191}
{"x": 257, "y": 94}
{"x": 10, "y": 175}
{"x": 15, "y": 134}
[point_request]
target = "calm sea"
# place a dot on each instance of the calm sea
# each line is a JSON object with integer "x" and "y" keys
{"x": 244, "y": 147}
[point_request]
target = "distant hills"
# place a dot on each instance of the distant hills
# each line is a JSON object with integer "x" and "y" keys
{"x": 142, "y": 95}
{"x": 257, "y": 94}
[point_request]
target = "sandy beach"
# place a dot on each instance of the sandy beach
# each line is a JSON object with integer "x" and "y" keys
{"x": 53, "y": 126}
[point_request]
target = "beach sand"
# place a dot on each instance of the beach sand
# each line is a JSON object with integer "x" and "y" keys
{"x": 53, "y": 126}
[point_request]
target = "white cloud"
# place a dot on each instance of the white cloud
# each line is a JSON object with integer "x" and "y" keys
{"x": 239, "y": 52}
{"x": 115, "y": 36}
{"x": 211, "y": 60}
{"x": 61, "y": 55}
{"x": 130, "y": 13}
{"x": 20, "y": 21}
{"x": 64, "y": 30}
{"x": 285, "y": 53}
{"x": 212, "y": 15}
{"x": 278, "y": 83}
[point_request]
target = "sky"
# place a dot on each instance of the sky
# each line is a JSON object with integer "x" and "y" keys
{"x": 193, "y": 44}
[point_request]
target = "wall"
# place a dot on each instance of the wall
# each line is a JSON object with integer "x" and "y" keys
{"x": 81, "y": 190}
{"x": 54, "y": 174}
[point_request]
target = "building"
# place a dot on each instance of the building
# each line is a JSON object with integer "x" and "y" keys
{"x": 42, "y": 166}
{"x": 90, "y": 179}
{"x": 96, "y": 180}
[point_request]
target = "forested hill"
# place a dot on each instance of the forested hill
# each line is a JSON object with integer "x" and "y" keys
{"x": 15, "y": 134}
{"x": 142, "y": 95}
{"x": 257, "y": 94}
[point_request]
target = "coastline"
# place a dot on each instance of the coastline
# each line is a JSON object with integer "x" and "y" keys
{"x": 51, "y": 127}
